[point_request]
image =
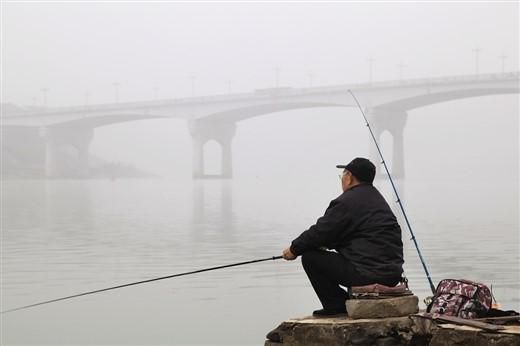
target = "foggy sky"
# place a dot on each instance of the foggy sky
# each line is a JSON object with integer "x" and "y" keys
{"x": 461, "y": 157}
{"x": 78, "y": 48}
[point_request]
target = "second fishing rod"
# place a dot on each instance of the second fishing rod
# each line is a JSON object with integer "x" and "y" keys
{"x": 405, "y": 216}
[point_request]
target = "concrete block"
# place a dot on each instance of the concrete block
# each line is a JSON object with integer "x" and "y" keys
{"x": 382, "y": 308}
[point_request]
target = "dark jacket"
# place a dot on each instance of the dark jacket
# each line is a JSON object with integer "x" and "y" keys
{"x": 360, "y": 225}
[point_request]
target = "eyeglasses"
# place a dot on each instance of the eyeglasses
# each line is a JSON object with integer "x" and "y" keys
{"x": 340, "y": 175}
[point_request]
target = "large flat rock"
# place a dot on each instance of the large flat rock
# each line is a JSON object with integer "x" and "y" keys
{"x": 311, "y": 331}
{"x": 382, "y": 308}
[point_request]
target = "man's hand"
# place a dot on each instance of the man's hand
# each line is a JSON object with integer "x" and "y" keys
{"x": 288, "y": 255}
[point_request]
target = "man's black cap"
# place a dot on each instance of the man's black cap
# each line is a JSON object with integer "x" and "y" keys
{"x": 361, "y": 168}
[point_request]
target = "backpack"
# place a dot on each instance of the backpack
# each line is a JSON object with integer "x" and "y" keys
{"x": 461, "y": 298}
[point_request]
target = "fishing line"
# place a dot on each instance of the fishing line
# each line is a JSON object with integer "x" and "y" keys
{"x": 142, "y": 282}
{"x": 432, "y": 287}
{"x": 258, "y": 260}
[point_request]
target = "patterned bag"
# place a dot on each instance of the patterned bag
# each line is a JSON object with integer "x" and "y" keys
{"x": 461, "y": 298}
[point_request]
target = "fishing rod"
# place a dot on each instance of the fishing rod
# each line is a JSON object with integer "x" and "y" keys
{"x": 142, "y": 282}
{"x": 432, "y": 287}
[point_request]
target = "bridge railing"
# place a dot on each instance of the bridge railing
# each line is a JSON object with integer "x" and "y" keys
{"x": 9, "y": 110}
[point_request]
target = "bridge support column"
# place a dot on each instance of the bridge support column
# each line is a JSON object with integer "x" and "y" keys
{"x": 203, "y": 131}
{"x": 197, "y": 156}
{"x": 393, "y": 121}
{"x": 227, "y": 159}
{"x": 67, "y": 151}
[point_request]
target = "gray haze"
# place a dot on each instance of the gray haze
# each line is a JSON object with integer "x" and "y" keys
{"x": 66, "y": 235}
{"x": 78, "y": 50}
{"x": 74, "y": 48}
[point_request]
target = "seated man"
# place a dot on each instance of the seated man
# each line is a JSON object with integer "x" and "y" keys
{"x": 362, "y": 229}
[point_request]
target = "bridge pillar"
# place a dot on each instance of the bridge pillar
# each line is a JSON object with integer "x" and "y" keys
{"x": 67, "y": 151}
{"x": 222, "y": 132}
{"x": 227, "y": 160}
{"x": 393, "y": 121}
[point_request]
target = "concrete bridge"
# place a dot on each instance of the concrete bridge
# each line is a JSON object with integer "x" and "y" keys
{"x": 214, "y": 117}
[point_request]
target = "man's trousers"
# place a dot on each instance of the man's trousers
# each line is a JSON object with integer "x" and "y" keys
{"x": 327, "y": 270}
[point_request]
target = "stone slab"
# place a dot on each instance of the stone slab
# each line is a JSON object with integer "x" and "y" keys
{"x": 382, "y": 308}
{"x": 312, "y": 331}
{"x": 309, "y": 331}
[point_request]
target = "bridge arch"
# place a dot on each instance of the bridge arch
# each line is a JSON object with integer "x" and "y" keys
{"x": 221, "y": 127}
{"x": 392, "y": 116}
{"x": 93, "y": 122}
{"x": 244, "y": 113}
{"x": 71, "y": 141}
{"x": 428, "y": 99}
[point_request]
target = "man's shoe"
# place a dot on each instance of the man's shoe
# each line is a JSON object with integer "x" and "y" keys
{"x": 329, "y": 312}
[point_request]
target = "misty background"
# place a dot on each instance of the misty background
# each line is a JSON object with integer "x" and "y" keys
{"x": 65, "y": 236}
{"x": 77, "y": 51}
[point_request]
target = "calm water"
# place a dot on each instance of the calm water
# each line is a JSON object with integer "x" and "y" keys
{"x": 65, "y": 237}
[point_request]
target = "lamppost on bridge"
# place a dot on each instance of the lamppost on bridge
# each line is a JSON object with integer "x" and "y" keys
{"x": 503, "y": 58}
{"x": 370, "y": 68}
{"x": 477, "y": 52}
{"x": 310, "y": 75}
{"x": 116, "y": 91}
{"x": 401, "y": 67}
{"x": 87, "y": 98}
{"x": 229, "y": 82}
{"x": 44, "y": 91}
{"x": 192, "y": 78}
{"x": 276, "y": 77}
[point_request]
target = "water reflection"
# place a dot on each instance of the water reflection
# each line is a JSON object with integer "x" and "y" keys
{"x": 65, "y": 237}
{"x": 68, "y": 207}
{"x": 212, "y": 208}
{"x": 23, "y": 205}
